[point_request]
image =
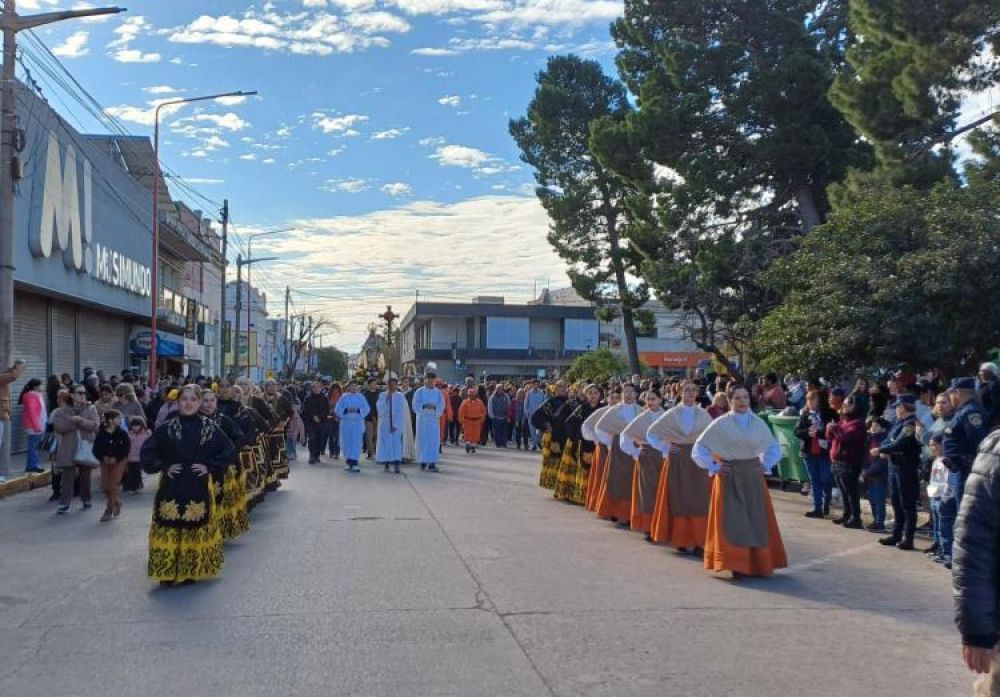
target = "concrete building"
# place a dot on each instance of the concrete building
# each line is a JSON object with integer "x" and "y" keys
{"x": 251, "y": 359}
{"x": 666, "y": 349}
{"x": 488, "y": 337}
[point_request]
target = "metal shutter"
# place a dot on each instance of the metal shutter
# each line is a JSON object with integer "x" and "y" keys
{"x": 102, "y": 341}
{"x": 64, "y": 340}
{"x": 31, "y": 346}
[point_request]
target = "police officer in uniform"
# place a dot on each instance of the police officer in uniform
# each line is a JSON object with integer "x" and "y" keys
{"x": 903, "y": 449}
{"x": 968, "y": 428}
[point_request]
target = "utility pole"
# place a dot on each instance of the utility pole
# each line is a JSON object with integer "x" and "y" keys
{"x": 222, "y": 322}
{"x": 235, "y": 343}
{"x": 11, "y": 23}
{"x": 288, "y": 334}
{"x": 309, "y": 351}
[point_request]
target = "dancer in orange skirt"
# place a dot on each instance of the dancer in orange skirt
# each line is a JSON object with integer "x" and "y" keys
{"x": 738, "y": 450}
{"x": 680, "y": 518}
{"x": 615, "y": 499}
{"x": 648, "y": 462}
{"x": 598, "y": 468}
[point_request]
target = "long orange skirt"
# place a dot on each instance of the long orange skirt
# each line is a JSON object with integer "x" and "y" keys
{"x": 680, "y": 532}
{"x": 612, "y": 503}
{"x": 597, "y": 473}
{"x": 720, "y": 555}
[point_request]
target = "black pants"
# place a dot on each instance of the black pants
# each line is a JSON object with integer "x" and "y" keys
{"x": 904, "y": 490}
{"x": 317, "y": 439}
{"x": 847, "y": 481}
{"x": 133, "y": 477}
{"x": 454, "y": 431}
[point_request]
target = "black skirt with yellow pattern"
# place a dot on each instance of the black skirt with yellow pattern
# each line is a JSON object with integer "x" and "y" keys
{"x": 193, "y": 553}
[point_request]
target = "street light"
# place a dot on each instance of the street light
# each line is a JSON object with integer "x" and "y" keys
{"x": 152, "y": 380}
{"x": 250, "y": 257}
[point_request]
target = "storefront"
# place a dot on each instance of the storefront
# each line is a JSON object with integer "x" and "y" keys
{"x": 82, "y": 252}
{"x": 681, "y": 363}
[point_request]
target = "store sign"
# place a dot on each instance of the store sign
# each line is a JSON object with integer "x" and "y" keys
{"x": 66, "y": 224}
{"x": 167, "y": 345}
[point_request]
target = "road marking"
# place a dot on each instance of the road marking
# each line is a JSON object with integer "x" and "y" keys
{"x": 820, "y": 561}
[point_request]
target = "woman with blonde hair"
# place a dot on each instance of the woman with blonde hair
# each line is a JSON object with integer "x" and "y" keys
{"x": 187, "y": 451}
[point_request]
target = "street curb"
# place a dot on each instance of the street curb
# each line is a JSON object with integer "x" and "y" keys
{"x": 25, "y": 482}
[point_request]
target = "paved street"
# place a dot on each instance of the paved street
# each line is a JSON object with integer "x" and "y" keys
{"x": 473, "y": 582}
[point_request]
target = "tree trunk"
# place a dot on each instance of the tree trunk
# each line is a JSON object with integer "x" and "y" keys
{"x": 808, "y": 209}
{"x": 628, "y": 318}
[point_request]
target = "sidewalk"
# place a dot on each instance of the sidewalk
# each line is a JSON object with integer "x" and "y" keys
{"x": 18, "y": 480}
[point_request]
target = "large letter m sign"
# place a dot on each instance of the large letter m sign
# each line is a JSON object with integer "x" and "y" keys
{"x": 64, "y": 221}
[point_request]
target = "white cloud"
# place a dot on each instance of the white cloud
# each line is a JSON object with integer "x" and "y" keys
{"x": 333, "y": 152}
{"x": 162, "y": 89}
{"x": 339, "y": 125}
{"x": 74, "y": 46}
{"x": 231, "y": 101}
{"x": 142, "y": 115}
{"x": 397, "y": 189}
{"x": 450, "y": 100}
{"x": 431, "y": 51}
{"x": 311, "y": 32}
{"x": 440, "y": 7}
{"x": 324, "y": 254}
{"x": 553, "y": 12}
{"x": 390, "y": 134}
{"x": 228, "y": 121}
{"x": 378, "y": 22}
{"x": 132, "y": 55}
{"x": 249, "y": 157}
{"x": 480, "y": 162}
{"x": 203, "y": 180}
{"x": 432, "y": 140}
{"x": 268, "y": 161}
{"x": 347, "y": 186}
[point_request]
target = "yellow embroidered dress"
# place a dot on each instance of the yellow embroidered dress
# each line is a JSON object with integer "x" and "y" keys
{"x": 185, "y": 543}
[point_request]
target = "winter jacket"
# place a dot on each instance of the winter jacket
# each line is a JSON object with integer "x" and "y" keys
{"x": 135, "y": 443}
{"x": 847, "y": 442}
{"x": 34, "y": 416}
{"x": 68, "y": 432}
{"x": 819, "y": 419}
{"x": 115, "y": 444}
{"x": 976, "y": 553}
{"x": 315, "y": 409}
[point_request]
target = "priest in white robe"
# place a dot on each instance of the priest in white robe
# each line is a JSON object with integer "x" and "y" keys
{"x": 351, "y": 410}
{"x": 392, "y": 419}
{"x": 428, "y": 403}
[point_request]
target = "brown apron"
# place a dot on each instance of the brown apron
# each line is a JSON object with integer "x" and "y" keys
{"x": 689, "y": 489}
{"x": 650, "y": 464}
{"x": 744, "y": 505}
{"x": 620, "y": 466}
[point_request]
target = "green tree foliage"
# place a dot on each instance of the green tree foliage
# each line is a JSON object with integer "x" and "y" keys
{"x": 597, "y": 366}
{"x": 908, "y": 66}
{"x": 903, "y": 277}
{"x": 733, "y": 107}
{"x": 332, "y": 361}
{"x": 586, "y": 203}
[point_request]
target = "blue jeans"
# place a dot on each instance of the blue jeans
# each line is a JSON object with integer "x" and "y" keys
{"x": 936, "y": 521}
{"x": 32, "y": 463}
{"x": 948, "y": 512}
{"x": 500, "y": 432}
{"x": 820, "y": 479}
{"x": 876, "y": 493}
{"x": 290, "y": 446}
{"x": 333, "y": 437}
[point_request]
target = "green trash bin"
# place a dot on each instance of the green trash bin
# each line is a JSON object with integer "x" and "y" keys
{"x": 791, "y": 467}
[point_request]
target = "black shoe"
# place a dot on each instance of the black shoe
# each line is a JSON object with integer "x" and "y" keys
{"x": 423, "y": 466}
{"x": 55, "y": 497}
{"x": 814, "y": 514}
{"x": 889, "y": 541}
{"x": 905, "y": 545}
{"x": 396, "y": 469}
{"x": 933, "y": 549}
{"x": 853, "y": 525}
{"x": 839, "y": 521}
{"x": 387, "y": 467}
{"x": 432, "y": 468}
{"x": 62, "y": 510}
{"x": 826, "y": 509}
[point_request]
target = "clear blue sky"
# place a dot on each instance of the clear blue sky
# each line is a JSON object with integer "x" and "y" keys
{"x": 380, "y": 132}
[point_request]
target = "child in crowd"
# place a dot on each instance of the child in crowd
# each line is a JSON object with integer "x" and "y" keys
{"x": 936, "y": 488}
{"x": 876, "y": 475}
{"x": 111, "y": 448}
{"x": 138, "y": 433}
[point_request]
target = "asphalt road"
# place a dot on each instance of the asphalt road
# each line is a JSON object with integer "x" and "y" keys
{"x": 472, "y": 582}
